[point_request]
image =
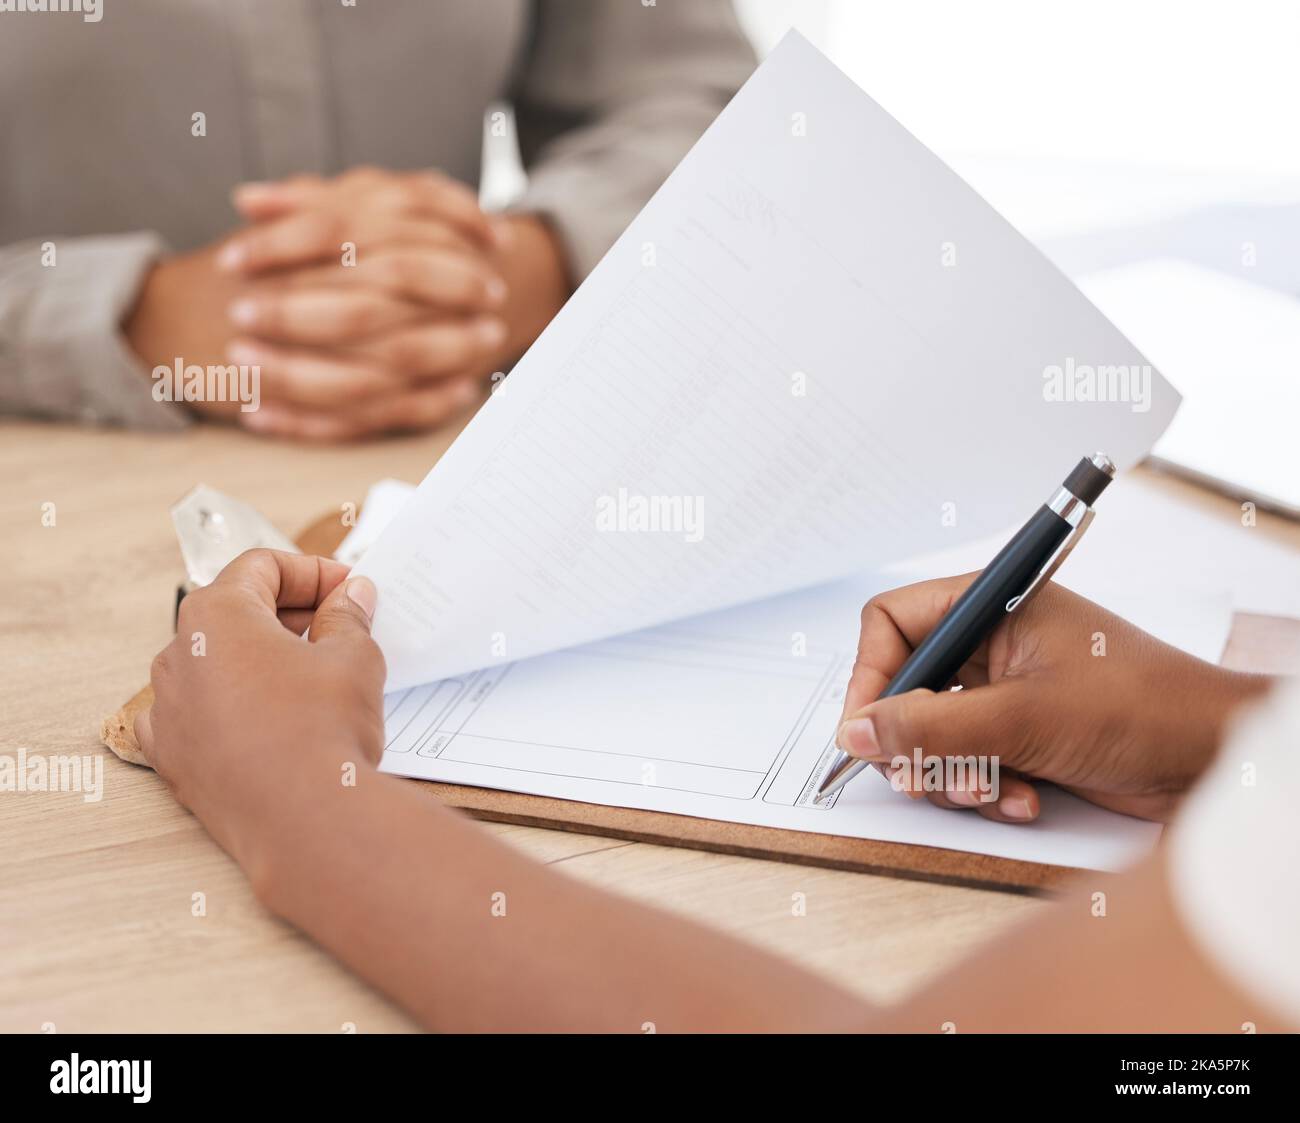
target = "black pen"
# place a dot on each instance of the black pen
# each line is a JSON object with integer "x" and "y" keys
{"x": 1023, "y": 566}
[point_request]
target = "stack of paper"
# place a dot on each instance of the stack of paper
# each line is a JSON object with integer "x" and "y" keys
{"x": 815, "y": 353}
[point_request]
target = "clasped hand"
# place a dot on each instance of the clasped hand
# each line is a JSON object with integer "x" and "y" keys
{"x": 370, "y": 302}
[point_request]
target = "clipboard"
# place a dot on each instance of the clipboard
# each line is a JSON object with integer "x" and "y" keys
{"x": 925, "y": 863}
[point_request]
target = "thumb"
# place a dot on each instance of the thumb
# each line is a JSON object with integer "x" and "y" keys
{"x": 346, "y": 613}
{"x": 982, "y": 720}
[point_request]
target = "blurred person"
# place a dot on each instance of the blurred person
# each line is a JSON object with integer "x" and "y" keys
{"x": 252, "y": 738}
{"x": 331, "y": 124}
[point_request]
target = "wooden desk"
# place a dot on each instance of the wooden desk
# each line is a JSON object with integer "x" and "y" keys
{"x": 95, "y": 898}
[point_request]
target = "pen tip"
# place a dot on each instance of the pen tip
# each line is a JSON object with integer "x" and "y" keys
{"x": 839, "y": 772}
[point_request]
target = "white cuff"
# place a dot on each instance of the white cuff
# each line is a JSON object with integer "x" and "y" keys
{"x": 1234, "y": 853}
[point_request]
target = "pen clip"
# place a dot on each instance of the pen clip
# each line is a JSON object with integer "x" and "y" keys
{"x": 1044, "y": 575}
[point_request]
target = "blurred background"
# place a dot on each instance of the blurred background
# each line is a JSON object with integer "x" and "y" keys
{"x": 1150, "y": 149}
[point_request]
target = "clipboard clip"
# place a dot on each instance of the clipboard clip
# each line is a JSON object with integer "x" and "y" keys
{"x": 1072, "y": 503}
{"x": 213, "y": 529}
{"x": 1044, "y": 575}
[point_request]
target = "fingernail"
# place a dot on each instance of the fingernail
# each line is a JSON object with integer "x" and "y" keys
{"x": 465, "y": 391}
{"x": 254, "y": 187}
{"x": 362, "y": 591}
{"x": 244, "y": 313}
{"x": 244, "y": 352}
{"x": 962, "y": 798}
{"x": 496, "y": 290}
{"x": 231, "y": 257}
{"x": 503, "y": 234}
{"x": 1015, "y": 807}
{"x": 857, "y": 737}
{"x": 492, "y": 333}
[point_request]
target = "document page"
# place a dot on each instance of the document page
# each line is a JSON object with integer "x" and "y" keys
{"x": 731, "y": 713}
{"x": 1234, "y": 347}
{"x": 728, "y": 716}
{"x": 815, "y": 351}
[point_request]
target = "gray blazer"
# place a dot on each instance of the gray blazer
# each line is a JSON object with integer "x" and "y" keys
{"x": 99, "y": 158}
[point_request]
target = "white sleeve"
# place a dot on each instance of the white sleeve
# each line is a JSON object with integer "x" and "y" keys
{"x": 1234, "y": 854}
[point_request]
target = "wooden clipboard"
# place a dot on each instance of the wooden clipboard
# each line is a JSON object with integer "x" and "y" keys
{"x": 925, "y": 863}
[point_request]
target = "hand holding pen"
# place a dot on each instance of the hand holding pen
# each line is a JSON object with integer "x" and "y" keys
{"x": 1058, "y": 689}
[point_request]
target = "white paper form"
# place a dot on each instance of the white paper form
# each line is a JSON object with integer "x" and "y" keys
{"x": 815, "y": 330}
{"x": 731, "y": 713}
{"x": 729, "y": 716}
{"x": 384, "y": 499}
{"x": 1235, "y": 349}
